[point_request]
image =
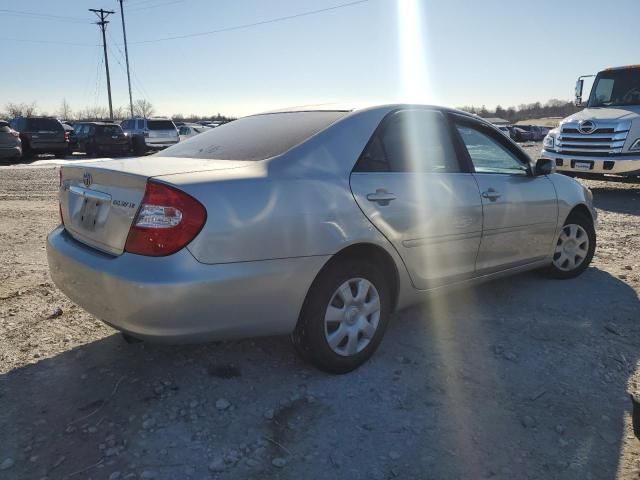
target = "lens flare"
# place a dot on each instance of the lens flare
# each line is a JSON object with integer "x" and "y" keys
{"x": 414, "y": 62}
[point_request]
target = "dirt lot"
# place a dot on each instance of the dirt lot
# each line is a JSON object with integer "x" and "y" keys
{"x": 523, "y": 378}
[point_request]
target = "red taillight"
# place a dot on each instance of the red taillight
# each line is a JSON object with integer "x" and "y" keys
{"x": 14, "y": 133}
{"x": 167, "y": 220}
{"x": 66, "y": 136}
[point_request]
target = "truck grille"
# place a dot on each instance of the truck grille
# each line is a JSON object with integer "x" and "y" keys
{"x": 607, "y": 139}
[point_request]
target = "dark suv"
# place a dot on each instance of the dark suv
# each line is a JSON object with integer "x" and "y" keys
{"x": 41, "y": 135}
{"x": 101, "y": 138}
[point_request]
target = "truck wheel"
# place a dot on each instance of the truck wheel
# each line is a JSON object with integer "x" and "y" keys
{"x": 344, "y": 316}
{"x": 574, "y": 249}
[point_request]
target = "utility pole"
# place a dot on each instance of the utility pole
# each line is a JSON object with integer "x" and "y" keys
{"x": 103, "y": 14}
{"x": 126, "y": 56}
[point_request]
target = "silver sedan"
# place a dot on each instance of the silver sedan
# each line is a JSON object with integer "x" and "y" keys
{"x": 315, "y": 224}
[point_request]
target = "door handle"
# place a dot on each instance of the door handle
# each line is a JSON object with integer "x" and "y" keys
{"x": 491, "y": 194}
{"x": 381, "y": 197}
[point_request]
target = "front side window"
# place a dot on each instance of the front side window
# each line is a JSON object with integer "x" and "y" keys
{"x": 411, "y": 141}
{"x": 487, "y": 154}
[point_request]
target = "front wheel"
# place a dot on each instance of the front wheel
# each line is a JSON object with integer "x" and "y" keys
{"x": 574, "y": 248}
{"x": 344, "y": 316}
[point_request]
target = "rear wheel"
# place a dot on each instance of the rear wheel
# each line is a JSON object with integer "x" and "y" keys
{"x": 575, "y": 247}
{"x": 139, "y": 147}
{"x": 344, "y": 316}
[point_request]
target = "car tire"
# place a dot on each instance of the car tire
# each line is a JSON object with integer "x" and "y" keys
{"x": 139, "y": 147}
{"x": 344, "y": 316}
{"x": 574, "y": 249}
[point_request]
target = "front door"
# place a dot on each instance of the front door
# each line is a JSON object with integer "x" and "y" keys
{"x": 411, "y": 186}
{"x": 520, "y": 210}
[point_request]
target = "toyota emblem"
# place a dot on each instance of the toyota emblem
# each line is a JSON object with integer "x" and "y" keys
{"x": 87, "y": 179}
{"x": 586, "y": 127}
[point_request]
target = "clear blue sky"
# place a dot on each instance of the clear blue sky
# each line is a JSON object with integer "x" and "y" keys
{"x": 466, "y": 52}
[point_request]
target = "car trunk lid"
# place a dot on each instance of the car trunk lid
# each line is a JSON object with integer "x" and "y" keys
{"x": 99, "y": 201}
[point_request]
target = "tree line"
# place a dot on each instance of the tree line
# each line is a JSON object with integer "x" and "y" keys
{"x": 141, "y": 108}
{"x": 553, "y": 108}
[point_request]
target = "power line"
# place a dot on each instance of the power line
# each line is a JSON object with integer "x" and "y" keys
{"x": 43, "y": 15}
{"x": 135, "y": 9}
{"x": 254, "y": 24}
{"x": 7, "y": 39}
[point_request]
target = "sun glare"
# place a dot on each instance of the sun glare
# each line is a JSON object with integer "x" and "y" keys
{"x": 414, "y": 63}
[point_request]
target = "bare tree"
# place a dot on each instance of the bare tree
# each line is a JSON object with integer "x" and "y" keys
{"x": 65, "y": 111}
{"x": 21, "y": 109}
{"x": 143, "y": 108}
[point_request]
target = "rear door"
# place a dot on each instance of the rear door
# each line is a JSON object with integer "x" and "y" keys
{"x": 412, "y": 187}
{"x": 520, "y": 210}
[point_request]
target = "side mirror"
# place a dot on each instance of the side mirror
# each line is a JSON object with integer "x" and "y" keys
{"x": 579, "y": 85}
{"x": 544, "y": 166}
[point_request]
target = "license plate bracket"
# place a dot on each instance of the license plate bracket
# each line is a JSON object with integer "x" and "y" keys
{"x": 582, "y": 165}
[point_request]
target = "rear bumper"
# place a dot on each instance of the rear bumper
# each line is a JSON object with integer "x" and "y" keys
{"x": 176, "y": 299}
{"x": 46, "y": 147}
{"x": 10, "y": 152}
{"x": 614, "y": 165}
{"x": 159, "y": 144}
{"x": 113, "y": 148}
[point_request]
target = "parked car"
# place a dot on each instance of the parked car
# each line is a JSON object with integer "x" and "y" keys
{"x": 521, "y": 135}
{"x": 41, "y": 135}
{"x": 10, "y": 143}
{"x": 191, "y": 130}
{"x": 505, "y": 130}
{"x": 316, "y": 224}
{"x": 102, "y": 138}
{"x": 537, "y": 133}
{"x": 150, "y": 133}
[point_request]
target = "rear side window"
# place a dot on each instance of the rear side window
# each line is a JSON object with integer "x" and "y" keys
{"x": 255, "y": 138}
{"x": 4, "y": 126}
{"x": 108, "y": 130}
{"x": 44, "y": 124}
{"x": 160, "y": 125}
{"x": 411, "y": 141}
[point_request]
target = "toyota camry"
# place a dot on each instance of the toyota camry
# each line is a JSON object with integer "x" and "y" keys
{"x": 316, "y": 224}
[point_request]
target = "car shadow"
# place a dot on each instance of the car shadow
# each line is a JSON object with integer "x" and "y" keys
{"x": 612, "y": 198}
{"x": 519, "y": 378}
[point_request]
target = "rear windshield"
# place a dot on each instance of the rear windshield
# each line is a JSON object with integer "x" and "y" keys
{"x": 44, "y": 124}
{"x": 254, "y": 138}
{"x": 160, "y": 125}
{"x": 108, "y": 130}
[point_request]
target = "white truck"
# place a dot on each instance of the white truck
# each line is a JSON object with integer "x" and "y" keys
{"x": 604, "y": 138}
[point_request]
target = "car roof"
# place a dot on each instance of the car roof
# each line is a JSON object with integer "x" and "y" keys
{"x": 389, "y": 107}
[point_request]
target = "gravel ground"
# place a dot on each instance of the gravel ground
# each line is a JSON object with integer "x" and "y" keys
{"x": 520, "y": 378}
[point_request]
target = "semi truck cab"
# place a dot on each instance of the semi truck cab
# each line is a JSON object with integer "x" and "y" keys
{"x": 604, "y": 138}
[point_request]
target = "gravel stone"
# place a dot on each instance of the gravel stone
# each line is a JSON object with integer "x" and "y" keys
{"x": 528, "y": 422}
{"x": 217, "y": 465}
{"x": 223, "y": 404}
{"x": 279, "y": 462}
{"x": 7, "y": 463}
